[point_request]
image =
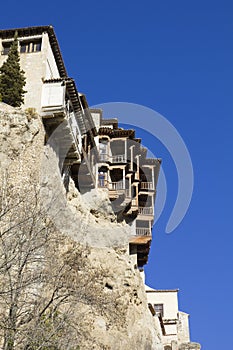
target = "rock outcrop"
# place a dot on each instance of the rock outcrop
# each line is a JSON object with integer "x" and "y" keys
{"x": 114, "y": 315}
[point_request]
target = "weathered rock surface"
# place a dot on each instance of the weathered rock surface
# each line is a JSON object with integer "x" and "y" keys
{"x": 190, "y": 346}
{"x": 117, "y": 316}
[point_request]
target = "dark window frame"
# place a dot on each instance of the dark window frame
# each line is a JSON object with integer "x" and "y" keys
{"x": 6, "y": 47}
{"x": 159, "y": 309}
{"x": 30, "y": 46}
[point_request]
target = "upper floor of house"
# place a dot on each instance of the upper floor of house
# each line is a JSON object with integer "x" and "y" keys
{"x": 49, "y": 89}
{"x": 40, "y": 59}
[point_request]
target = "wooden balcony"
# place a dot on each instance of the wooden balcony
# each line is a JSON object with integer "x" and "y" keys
{"x": 147, "y": 186}
{"x": 112, "y": 186}
{"x": 115, "y": 189}
{"x": 120, "y": 158}
{"x": 147, "y": 211}
{"x": 143, "y": 231}
{"x": 116, "y": 186}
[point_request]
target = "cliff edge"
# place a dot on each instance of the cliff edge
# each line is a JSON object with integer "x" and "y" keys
{"x": 101, "y": 294}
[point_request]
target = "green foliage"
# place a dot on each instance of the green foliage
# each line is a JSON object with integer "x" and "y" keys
{"x": 30, "y": 113}
{"x": 12, "y": 79}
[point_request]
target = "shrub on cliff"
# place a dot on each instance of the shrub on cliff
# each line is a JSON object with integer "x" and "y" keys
{"x": 12, "y": 79}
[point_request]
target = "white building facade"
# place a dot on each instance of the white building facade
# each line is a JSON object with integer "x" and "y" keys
{"x": 174, "y": 324}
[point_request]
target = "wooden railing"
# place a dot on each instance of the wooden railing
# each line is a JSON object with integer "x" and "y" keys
{"x": 143, "y": 231}
{"x": 112, "y": 186}
{"x": 120, "y": 158}
{"x": 116, "y": 186}
{"x": 147, "y": 186}
{"x": 145, "y": 210}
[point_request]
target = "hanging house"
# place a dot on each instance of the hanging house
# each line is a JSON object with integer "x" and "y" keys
{"x": 131, "y": 179}
{"x": 51, "y": 92}
{"x": 95, "y": 152}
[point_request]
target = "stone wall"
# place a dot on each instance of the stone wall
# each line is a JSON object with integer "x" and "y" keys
{"x": 126, "y": 323}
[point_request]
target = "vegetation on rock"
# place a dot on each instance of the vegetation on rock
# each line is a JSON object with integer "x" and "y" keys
{"x": 12, "y": 78}
{"x": 39, "y": 298}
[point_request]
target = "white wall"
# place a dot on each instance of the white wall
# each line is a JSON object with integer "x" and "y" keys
{"x": 96, "y": 119}
{"x": 37, "y": 66}
{"x": 168, "y": 299}
{"x": 179, "y": 330}
{"x": 51, "y": 66}
{"x": 183, "y": 327}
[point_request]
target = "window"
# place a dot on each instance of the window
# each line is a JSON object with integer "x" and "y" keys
{"x": 102, "y": 179}
{"x": 103, "y": 150}
{"x": 6, "y": 47}
{"x": 167, "y": 347}
{"x": 30, "y": 46}
{"x": 158, "y": 309}
{"x": 36, "y": 46}
{"x": 25, "y": 46}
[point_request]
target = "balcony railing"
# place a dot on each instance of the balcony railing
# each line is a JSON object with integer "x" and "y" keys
{"x": 147, "y": 186}
{"x": 119, "y": 159}
{"x": 112, "y": 186}
{"x": 104, "y": 157}
{"x": 116, "y": 186}
{"x": 143, "y": 231}
{"x": 145, "y": 210}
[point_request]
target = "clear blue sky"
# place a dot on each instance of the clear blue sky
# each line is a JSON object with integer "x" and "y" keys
{"x": 175, "y": 57}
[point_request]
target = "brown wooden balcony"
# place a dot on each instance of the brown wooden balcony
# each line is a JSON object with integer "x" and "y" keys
{"x": 147, "y": 211}
{"x": 116, "y": 186}
{"x": 120, "y": 158}
{"x": 143, "y": 231}
{"x": 147, "y": 186}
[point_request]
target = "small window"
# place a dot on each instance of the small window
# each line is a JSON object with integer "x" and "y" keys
{"x": 102, "y": 179}
{"x": 103, "y": 150}
{"x": 23, "y": 47}
{"x": 6, "y": 47}
{"x": 30, "y": 46}
{"x": 158, "y": 309}
{"x": 36, "y": 46}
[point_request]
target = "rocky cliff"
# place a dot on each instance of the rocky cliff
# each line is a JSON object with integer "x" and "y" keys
{"x": 101, "y": 288}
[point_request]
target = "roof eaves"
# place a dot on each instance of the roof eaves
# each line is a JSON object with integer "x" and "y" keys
{"x": 30, "y": 31}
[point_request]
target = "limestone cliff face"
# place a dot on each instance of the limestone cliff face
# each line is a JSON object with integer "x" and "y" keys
{"x": 115, "y": 316}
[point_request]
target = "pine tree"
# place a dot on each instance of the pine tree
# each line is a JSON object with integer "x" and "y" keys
{"x": 12, "y": 79}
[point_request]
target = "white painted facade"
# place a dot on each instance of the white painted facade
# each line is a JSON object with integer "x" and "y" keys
{"x": 38, "y": 66}
{"x": 174, "y": 324}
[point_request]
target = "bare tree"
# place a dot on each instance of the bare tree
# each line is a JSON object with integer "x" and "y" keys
{"x": 31, "y": 284}
{"x": 43, "y": 277}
